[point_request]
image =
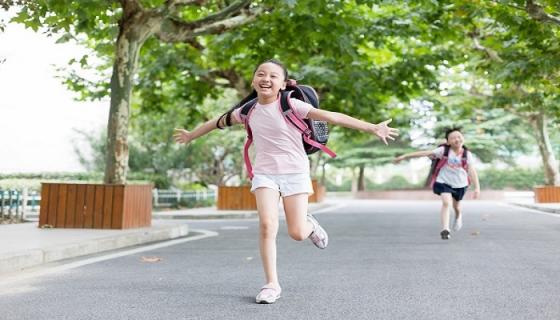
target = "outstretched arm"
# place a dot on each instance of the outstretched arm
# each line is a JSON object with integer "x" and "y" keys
{"x": 381, "y": 129}
{"x": 416, "y": 154}
{"x": 185, "y": 136}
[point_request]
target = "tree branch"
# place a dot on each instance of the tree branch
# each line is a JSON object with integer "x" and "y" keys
{"x": 130, "y": 7}
{"x": 173, "y": 30}
{"x": 534, "y": 10}
{"x": 493, "y": 55}
{"x": 220, "y": 15}
{"x": 537, "y": 12}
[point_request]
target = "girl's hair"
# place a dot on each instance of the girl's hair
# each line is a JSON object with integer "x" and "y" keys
{"x": 451, "y": 130}
{"x": 225, "y": 119}
{"x": 276, "y": 62}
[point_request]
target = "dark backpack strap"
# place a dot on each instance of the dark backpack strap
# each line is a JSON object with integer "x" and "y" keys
{"x": 247, "y": 107}
{"x": 465, "y": 163}
{"x": 464, "y": 158}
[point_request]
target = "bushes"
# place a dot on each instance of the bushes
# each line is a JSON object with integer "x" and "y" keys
{"x": 33, "y": 180}
{"x": 490, "y": 179}
{"x": 512, "y": 178}
{"x": 395, "y": 183}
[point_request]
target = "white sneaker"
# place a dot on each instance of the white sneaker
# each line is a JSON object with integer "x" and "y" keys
{"x": 458, "y": 223}
{"x": 268, "y": 294}
{"x": 319, "y": 236}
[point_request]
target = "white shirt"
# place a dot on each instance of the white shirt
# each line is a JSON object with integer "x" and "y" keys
{"x": 453, "y": 173}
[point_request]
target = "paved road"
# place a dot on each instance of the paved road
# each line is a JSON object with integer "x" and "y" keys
{"x": 385, "y": 261}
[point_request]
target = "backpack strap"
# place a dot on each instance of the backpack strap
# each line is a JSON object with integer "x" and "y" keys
{"x": 443, "y": 161}
{"x": 244, "y": 114}
{"x": 301, "y": 126}
{"x": 465, "y": 164}
{"x": 464, "y": 158}
{"x": 440, "y": 163}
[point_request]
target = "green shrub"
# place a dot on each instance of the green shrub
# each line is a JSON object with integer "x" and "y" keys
{"x": 511, "y": 178}
{"x": 397, "y": 182}
{"x": 345, "y": 186}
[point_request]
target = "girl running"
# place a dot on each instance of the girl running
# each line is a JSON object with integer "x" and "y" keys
{"x": 451, "y": 177}
{"x": 281, "y": 166}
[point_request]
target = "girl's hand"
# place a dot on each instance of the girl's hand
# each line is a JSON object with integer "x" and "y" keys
{"x": 384, "y": 132}
{"x": 182, "y": 136}
{"x": 476, "y": 194}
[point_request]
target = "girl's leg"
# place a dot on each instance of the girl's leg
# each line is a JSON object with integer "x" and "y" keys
{"x": 267, "y": 207}
{"x": 446, "y": 201}
{"x": 302, "y": 225}
{"x": 458, "y": 215}
{"x": 295, "y": 206}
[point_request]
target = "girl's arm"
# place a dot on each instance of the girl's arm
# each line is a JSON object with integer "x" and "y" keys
{"x": 381, "y": 130}
{"x": 416, "y": 154}
{"x": 184, "y": 136}
{"x": 474, "y": 178}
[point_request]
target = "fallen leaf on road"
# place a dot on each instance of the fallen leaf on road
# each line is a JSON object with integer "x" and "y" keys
{"x": 249, "y": 258}
{"x": 150, "y": 259}
{"x": 475, "y": 233}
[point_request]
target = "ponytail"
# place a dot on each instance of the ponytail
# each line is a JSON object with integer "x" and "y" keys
{"x": 225, "y": 119}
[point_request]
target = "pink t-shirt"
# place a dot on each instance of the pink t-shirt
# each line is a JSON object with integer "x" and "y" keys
{"x": 278, "y": 145}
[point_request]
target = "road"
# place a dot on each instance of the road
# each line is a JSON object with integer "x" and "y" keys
{"x": 385, "y": 260}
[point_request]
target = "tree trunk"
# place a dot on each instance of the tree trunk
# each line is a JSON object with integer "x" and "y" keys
{"x": 539, "y": 123}
{"x": 134, "y": 29}
{"x": 361, "y": 178}
{"x": 354, "y": 187}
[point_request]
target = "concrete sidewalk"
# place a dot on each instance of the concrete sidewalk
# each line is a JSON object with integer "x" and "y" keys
{"x": 24, "y": 245}
{"x": 527, "y": 200}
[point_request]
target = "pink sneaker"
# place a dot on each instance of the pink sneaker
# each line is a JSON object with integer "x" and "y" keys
{"x": 268, "y": 294}
{"x": 319, "y": 236}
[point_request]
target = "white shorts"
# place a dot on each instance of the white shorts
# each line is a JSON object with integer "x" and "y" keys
{"x": 286, "y": 184}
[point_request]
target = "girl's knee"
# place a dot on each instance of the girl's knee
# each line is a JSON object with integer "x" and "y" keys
{"x": 268, "y": 228}
{"x": 297, "y": 234}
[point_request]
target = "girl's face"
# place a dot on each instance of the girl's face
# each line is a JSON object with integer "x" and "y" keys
{"x": 268, "y": 80}
{"x": 455, "y": 139}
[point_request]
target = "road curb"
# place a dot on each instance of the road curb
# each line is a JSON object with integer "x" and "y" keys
{"x": 13, "y": 262}
{"x": 537, "y": 207}
{"x": 229, "y": 214}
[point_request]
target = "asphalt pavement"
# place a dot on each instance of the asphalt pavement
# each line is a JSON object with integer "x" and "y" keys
{"x": 385, "y": 260}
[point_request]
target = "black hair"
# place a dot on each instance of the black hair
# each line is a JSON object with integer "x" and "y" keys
{"x": 448, "y": 131}
{"x": 276, "y": 62}
{"x": 225, "y": 119}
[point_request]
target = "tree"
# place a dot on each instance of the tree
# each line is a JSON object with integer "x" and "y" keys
{"x": 129, "y": 24}
{"x": 357, "y": 56}
{"x": 513, "y": 46}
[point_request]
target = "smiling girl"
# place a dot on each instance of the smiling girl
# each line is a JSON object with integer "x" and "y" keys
{"x": 451, "y": 178}
{"x": 281, "y": 166}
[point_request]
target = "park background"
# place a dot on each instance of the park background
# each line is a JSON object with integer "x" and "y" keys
{"x": 490, "y": 67}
